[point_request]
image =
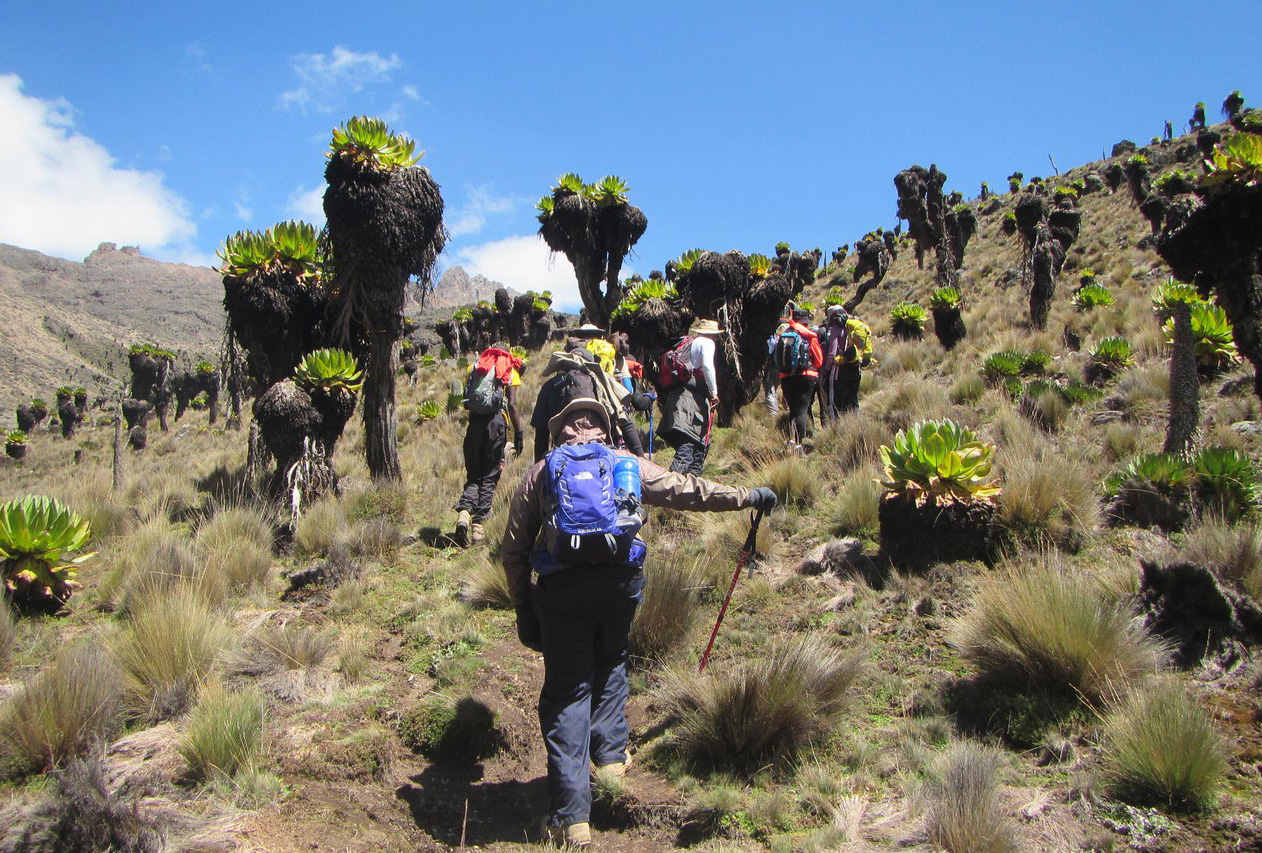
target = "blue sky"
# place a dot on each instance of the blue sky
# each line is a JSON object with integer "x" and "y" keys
{"x": 736, "y": 125}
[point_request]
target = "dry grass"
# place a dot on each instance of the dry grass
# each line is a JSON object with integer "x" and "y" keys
{"x": 166, "y": 493}
{"x": 168, "y": 650}
{"x": 1049, "y": 500}
{"x": 852, "y": 440}
{"x": 8, "y": 632}
{"x": 794, "y": 483}
{"x": 319, "y": 528}
{"x": 855, "y": 502}
{"x": 965, "y": 814}
{"x": 152, "y": 562}
{"x": 484, "y": 584}
{"x": 291, "y": 647}
{"x": 347, "y": 598}
{"x": 742, "y": 716}
{"x": 1161, "y": 748}
{"x": 967, "y": 389}
{"x": 224, "y": 732}
{"x": 354, "y": 655}
{"x": 377, "y": 537}
{"x": 1233, "y": 552}
{"x": 231, "y": 526}
{"x": 1050, "y": 629}
{"x": 668, "y": 613}
{"x": 246, "y": 566}
{"x": 60, "y": 713}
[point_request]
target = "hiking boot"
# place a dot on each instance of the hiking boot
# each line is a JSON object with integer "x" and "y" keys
{"x": 574, "y": 835}
{"x": 617, "y": 769}
{"x": 476, "y": 534}
{"x": 462, "y": 528}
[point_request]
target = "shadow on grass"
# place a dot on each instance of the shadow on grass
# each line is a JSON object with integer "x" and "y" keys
{"x": 450, "y": 802}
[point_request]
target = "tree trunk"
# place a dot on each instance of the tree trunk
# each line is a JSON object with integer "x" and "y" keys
{"x": 1184, "y": 386}
{"x": 381, "y": 440}
{"x": 118, "y": 448}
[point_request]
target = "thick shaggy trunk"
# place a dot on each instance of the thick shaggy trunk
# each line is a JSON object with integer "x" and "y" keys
{"x": 381, "y": 441}
{"x": 1184, "y": 386}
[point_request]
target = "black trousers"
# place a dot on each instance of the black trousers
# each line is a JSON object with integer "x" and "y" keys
{"x": 690, "y": 455}
{"x": 484, "y": 442}
{"x": 798, "y": 393}
{"x": 846, "y": 389}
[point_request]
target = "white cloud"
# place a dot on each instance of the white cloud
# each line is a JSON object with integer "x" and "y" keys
{"x": 62, "y": 193}
{"x": 197, "y": 54}
{"x": 325, "y": 80}
{"x": 481, "y": 203}
{"x": 244, "y": 213}
{"x": 307, "y": 204}
{"x": 411, "y": 92}
{"x": 524, "y": 263}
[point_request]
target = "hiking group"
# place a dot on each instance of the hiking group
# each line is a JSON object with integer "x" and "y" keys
{"x": 572, "y": 554}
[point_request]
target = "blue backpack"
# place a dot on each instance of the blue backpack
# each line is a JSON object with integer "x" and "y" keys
{"x": 793, "y": 352}
{"x": 590, "y": 520}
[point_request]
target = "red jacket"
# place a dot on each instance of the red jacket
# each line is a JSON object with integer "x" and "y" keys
{"x": 817, "y": 352}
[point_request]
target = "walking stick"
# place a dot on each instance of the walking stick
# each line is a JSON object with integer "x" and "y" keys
{"x": 650, "y": 431}
{"x": 747, "y": 551}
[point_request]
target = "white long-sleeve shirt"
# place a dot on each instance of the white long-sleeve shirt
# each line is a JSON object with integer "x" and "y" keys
{"x": 701, "y": 356}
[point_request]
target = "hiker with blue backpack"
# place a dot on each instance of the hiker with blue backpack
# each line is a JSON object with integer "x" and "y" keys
{"x": 574, "y": 563}
{"x": 490, "y": 397}
{"x": 798, "y": 356}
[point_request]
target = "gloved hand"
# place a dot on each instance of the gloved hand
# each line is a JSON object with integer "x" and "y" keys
{"x": 763, "y": 499}
{"x": 651, "y": 396}
{"x": 867, "y": 359}
{"x": 529, "y": 633}
{"x": 851, "y": 353}
{"x": 519, "y": 440}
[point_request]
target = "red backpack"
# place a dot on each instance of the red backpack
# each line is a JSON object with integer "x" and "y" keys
{"x": 675, "y": 368}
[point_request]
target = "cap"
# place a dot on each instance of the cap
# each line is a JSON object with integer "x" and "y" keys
{"x": 579, "y": 404}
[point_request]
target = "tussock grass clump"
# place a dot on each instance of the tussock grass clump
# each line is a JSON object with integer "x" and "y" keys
{"x": 1161, "y": 748}
{"x": 151, "y": 562}
{"x": 246, "y": 566}
{"x": 484, "y": 584}
{"x": 965, "y": 815}
{"x": 856, "y": 502}
{"x": 168, "y": 494}
{"x": 168, "y": 650}
{"x": 60, "y": 713}
{"x": 1049, "y": 500}
{"x": 793, "y": 482}
{"x": 319, "y": 528}
{"x": 668, "y": 613}
{"x": 375, "y": 538}
{"x": 224, "y": 733}
{"x": 967, "y": 389}
{"x": 1233, "y": 552}
{"x": 353, "y": 655}
{"x": 1052, "y": 630}
{"x": 231, "y": 526}
{"x": 386, "y": 499}
{"x": 742, "y": 716}
{"x": 852, "y": 440}
{"x": 290, "y": 647}
{"x": 347, "y": 598}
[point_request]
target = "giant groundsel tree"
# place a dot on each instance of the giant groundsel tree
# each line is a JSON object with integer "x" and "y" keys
{"x": 385, "y": 226}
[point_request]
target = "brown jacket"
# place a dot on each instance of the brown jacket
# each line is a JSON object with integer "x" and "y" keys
{"x": 658, "y": 487}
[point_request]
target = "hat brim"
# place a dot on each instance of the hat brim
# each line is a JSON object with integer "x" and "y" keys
{"x": 579, "y": 404}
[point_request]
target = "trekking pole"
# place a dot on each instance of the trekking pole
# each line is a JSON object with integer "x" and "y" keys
{"x": 747, "y": 551}
{"x": 650, "y": 431}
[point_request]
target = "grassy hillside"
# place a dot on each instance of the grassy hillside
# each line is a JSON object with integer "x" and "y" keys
{"x": 881, "y": 707}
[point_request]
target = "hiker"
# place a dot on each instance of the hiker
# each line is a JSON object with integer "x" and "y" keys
{"x": 577, "y": 373}
{"x": 630, "y": 374}
{"x": 690, "y": 398}
{"x": 847, "y": 350}
{"x": 575, "y": 575}
{"x": 490, "y": 394}
{"x": 798, "y": 358}
{"x": 1198, "y": 116}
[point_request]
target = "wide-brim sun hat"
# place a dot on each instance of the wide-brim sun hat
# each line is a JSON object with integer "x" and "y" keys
{"x": 705, "y": 327}
{"x": 588, "y": 330}
{"x": 579, "y": 404}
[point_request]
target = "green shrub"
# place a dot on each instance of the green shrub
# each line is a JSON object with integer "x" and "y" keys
{"x": 59, "y": 713}
{"x": 1005, "y": 364}
{"x": 1051, "y": 630}
{"x": 1212, "y": 337}
{"x": 428, "y": 410}
{"x": 945, "y": 299}
{"x": 35, "y": 534}
{"x": 1233, "y": 552}
{"x": 908, "y": 319}
{"x": 748, "y": 714}
{"x": 1171, "y": 292}
{"x": 443, "y": 730}
{"x": 1165, "y": 473}
{"x": 1226, "y": 482}
{"x": 965, "y": 814}
{"x": 334, "y": 371}
{"x": 224, "y": 732}
{"x": 1093, "y": 296}
{"x": 967, "y": 389}
{"x": 1161, "y": 748}
{"x": 938, "y": 459}
{"x": 1035, "y": 362}
{"x": 1114, "y": 351}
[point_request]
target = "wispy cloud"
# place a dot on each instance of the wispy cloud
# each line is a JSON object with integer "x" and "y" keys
{"x": 523, "y": 263}
{"x": 411, "y": 92}
{"x": 307, "y": 204}
{"x": 198, "y": 56}
{"x": 325, "y": 81}
{"x": 63, "y": 193}
{"x": 481, "y": 203}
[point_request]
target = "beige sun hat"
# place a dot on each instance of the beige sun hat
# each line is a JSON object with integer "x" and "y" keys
{"x": 579, "y": 404}
{"x": 588, "y": 330}
{"x": 705, "y": 327}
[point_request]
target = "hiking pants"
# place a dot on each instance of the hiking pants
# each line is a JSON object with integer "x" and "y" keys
{"x": 585, "y": 618}
{"x": 690, "y": 455}
{"x": 798, "y": 393}
{"x": 846, "y": 391}
{"x": 484, "y": 442}
{"x": 771, "y": 386}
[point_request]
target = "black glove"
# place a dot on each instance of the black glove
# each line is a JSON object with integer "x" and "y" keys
{"x": 867, "y": 359}
{"x": 529, "y": 633}
{"x": 519, "y": 439}
{"x": 763, "y": 499}
{"x": 851, "y": 353}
